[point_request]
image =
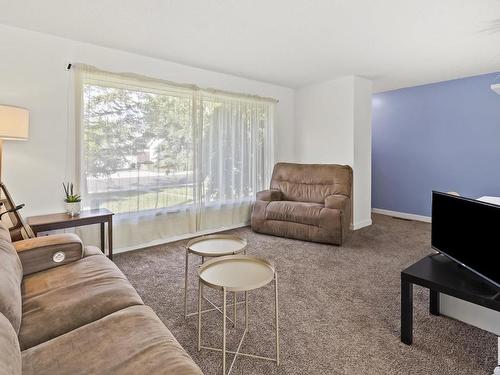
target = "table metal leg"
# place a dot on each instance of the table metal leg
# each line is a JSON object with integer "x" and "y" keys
{"x": 234, "y": 309}
{"x": 433, "y": 302}
{"x": 200, "y": 290}
{"x": 496, "y": 371}
{"x": 202, "y": 261}
{"x": 246, "y": 310}
{"x": 223, "y": 331}
{"x": 406, "y": 312}
{"x": 186, "y": 284}
{"x": 276, "y": 318}
{"x": 237, "y": 353}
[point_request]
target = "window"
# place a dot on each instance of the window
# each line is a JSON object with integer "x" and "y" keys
{"x": 137, "y": 147}
{"x": 153, "y": 148}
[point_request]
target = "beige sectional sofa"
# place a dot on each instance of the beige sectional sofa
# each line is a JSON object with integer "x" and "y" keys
{"x": 310, "y": 202}
{"x": 66, "y": 309}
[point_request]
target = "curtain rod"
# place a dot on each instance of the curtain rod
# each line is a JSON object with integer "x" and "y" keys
{"x": 69, "y": 66}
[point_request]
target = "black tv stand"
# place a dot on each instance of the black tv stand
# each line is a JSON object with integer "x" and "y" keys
{"x": 442, "y": 275}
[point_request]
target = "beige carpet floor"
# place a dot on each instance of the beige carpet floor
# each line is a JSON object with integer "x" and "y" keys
{"x": 339, "y": 307}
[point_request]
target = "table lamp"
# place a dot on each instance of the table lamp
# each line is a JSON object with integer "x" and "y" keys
{"x": 14, "y": 125}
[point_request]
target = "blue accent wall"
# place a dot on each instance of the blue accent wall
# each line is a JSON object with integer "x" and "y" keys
{"x": 443, "y": 136}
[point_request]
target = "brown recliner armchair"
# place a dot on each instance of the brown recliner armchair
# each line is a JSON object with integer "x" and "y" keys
{"x": 309, "y": 202}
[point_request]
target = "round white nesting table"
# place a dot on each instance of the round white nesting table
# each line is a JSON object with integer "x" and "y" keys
{"x": 237, "y": 273}
{"x": 213, "y": 245}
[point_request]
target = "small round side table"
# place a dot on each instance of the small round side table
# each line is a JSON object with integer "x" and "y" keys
{"x": 213, "y": 245}
{"x": 237, "y": 273}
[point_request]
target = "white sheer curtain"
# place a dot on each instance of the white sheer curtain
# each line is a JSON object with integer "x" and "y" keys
{"x": 235, "y": 159}
{"x": 169, "y": 160}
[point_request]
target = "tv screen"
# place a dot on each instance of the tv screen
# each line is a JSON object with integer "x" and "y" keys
{"x": 468, "y": 231}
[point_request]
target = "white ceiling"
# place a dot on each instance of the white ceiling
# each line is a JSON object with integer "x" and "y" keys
{"x": 293, "y": 43}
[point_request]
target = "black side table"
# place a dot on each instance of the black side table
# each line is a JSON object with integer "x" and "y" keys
{"x": 442, "y": 275}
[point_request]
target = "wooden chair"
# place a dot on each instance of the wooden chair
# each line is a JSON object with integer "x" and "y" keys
{"x": 18, "y": 229}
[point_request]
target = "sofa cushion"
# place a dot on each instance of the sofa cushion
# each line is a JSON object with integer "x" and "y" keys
{"x": 303, "y": 232}
{"x": 10, "y": 354}
{"x": 61, "y": 299}
{"x": 11, "y": 275}
{"x": 129, "y": 341}
{"x": 297, "y": 212}
{"x": 92, "y": 250}
{"x": 311, "y": 182}
{"x": 268, "y": 195}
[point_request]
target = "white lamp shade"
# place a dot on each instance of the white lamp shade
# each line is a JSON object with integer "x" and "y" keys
{"x": 14, "y": 123}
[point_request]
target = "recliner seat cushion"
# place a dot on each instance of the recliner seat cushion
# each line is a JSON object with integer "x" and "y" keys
{"x": 296, "y": 212}
{"x": 11, "y": 275}
{"x": 10, "y": 354}
{"x": 92, "y": 250}
{"x": 130, "y": 341}
{"x": 61, "y": 299}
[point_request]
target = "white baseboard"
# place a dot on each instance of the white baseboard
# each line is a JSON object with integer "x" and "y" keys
{"x": 186, "y": 236}
{"x": 402, "y": 215}
{"x": 361, "y": 224}
{"x": 355, "y": 226}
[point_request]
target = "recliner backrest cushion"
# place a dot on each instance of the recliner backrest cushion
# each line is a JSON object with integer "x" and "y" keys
{"x": 11, "y": 275}
{"x": 311, "y": 182}
{"x": 10, "y": 353}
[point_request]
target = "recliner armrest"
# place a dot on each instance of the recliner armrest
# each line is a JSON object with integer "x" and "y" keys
{"x": 42, "y": 253}
{"x": 269, "y": 195}
{"x": 336, "y": 201}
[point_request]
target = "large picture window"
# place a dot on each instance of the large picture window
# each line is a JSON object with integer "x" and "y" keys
{"x": 137, "y": 147}
{"x": 159, "y": 154}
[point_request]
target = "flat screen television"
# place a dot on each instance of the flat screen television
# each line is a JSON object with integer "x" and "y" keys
{"x": 467, "y": 231}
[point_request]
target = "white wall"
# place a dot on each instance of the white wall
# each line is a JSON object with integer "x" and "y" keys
{"x": 472, "y": 314}
{"x": 362, "y": 170}
{"x": 333, "y": 125}
{"x": 32, "y": 75}
{"x": 323, "y": 122}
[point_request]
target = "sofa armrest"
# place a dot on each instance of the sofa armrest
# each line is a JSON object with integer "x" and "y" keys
{"x": 269, "y": 195}
{"x": 42, "y": 253}
{"x": 336, "y": 201}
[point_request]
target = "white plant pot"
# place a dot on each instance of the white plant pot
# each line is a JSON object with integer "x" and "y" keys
{"x": 73, "y": 208}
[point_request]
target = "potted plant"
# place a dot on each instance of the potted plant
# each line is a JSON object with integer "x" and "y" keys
{"x": 72, "y": 200}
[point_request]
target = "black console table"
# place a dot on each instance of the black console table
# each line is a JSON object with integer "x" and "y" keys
{"x": 442, "y": 275}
